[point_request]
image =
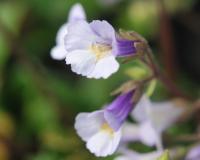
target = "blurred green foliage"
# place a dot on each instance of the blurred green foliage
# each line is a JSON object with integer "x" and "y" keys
{"x": 39, "y": 97}
{"x": 164, "y": 156}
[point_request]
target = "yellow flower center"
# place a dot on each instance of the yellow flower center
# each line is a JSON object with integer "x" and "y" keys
{"x": 100, "y": 50}
{"x": 105, "y": 127}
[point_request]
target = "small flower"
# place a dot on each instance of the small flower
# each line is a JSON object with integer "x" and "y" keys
{"x": 153, "y": 118}
{"x": 76, "y": 13}
{"x": 194, "y": 153}
{"x": 138, "y": 132}
{"x": 101, "y": 130}
{"x": 160, "y": 114}
{"x": 93, "y": 47}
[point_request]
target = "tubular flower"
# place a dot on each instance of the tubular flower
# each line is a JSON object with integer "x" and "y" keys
{"x": 101, "y": 130}
{"x": 76, "y": 14}
{"x": 93, "y": 47}
{"x": 154, "y": 118}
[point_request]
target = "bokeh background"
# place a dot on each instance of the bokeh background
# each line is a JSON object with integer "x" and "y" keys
{"x": 39, "y": 96}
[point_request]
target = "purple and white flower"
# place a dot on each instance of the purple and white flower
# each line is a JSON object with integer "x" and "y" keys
{"x": 194, "y": 153}
{"x": 93, "y": 47}
{"x": 76, "y": 13}
{"x": 101, "y": 130}
{"x": 153, "y": 118}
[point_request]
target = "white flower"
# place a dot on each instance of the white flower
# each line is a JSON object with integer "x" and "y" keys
{"x": 142, "y": 132}
{"x": 160, "y": 114}
{"x": 153, "y": 118}
{"x": 100, "y": 138}
{"x": 101, "y": 130}
{"x": 90, "y": 47}
{"x": 76, "y": 13}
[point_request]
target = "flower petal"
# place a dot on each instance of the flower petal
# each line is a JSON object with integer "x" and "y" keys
{"x": 80, "y": 36}
{"x": 117, "y": 112}
{"x": 58, "y": 52}
{"x": 164, "y": 114}
{"x": 130, "y": 132}
{"x": 140, "y": 112}
{"x": 76, "y": 13}
{"x": 61, "y": 34}
{"x": 88, "y": 124}
{"x": 82, "y": 61}
{"x": 103, "y": 144}
{"x": 147, "y": 134}
{"x": 194, "y": 153}
{"x": 104, "y": 68}
{"x": 104, "y": 30}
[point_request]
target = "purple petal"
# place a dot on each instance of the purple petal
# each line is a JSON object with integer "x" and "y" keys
{"x": 103, "y": 30}
{"x": 117, "y": 112}
{"x": 194, "y": 153}
{"x": 124, "y": 47}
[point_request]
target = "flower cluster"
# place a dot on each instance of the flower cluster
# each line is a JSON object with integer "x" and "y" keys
{"x": 91, "y": 49}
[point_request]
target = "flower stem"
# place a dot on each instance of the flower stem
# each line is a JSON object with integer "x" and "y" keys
{"x": 172, "y": 88}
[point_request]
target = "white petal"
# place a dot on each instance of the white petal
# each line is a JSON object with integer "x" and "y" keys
{"x": 140, "y": 112}
{"x": 77, "y": 13}
{"x": 103, "y": 29}
{"x": 104, "y": 67}
{"x": 164, "y": 114}
{"x": 148, "y": 134}
{"x": 103, "y": 144}
{"x": 58, "y": 52}
{"x": 62, "y": 32}
{"x": 130, "y": 132}
{"x": 82, "y": 61}
{"x": 88, "y": 124}
{"x": 85, "y": 63}
{"x": 80, "y": 36}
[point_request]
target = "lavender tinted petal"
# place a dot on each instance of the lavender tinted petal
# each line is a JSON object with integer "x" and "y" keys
{"x": 124, "y": 47}
{"x": 117, "y": 112}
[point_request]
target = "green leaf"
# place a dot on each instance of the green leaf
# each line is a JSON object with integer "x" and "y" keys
{"x": 164, "y": 156}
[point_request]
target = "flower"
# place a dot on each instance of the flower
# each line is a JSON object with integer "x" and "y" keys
{"x": 153, "y": 118}
{"x": 161, "y": 114}
{"x": 76, "y": 13}
{"x": 138, "y": 132}
{"x": 101, "y": 130}
{"x": 194, "y": 153}
{"x": 93, "y": 47}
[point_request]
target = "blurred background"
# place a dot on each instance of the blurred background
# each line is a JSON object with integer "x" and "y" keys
{"x": 40, "y": 97}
